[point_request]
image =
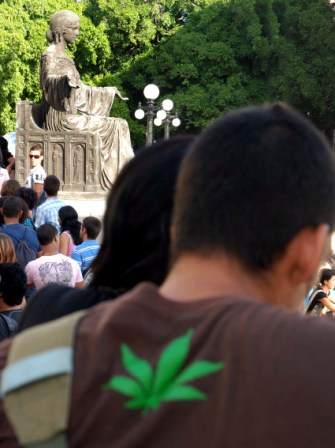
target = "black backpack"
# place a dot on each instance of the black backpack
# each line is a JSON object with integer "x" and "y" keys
{"x": 11, "y": 324}
{"x": 24, "y": 253}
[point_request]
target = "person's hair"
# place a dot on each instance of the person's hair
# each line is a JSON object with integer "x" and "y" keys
{"x": 325, "y": 275}
{"x": 137, "y": 220}
{"x": 9, "y": 187}
{"x": 13, "y": 283}
{"x": 3, "y": 143}
{"x": 7, "y": 249}
{"x": 51, "y": 185}
{"x": 46, "y": 233}
{"x": 28, "y": 195}
{"x": 12, "y": 206}
{"x": 92, "y": 226}
{"x": 69, "y": 221}
{"x": 251, "y": 182}
{"x": 37, "y": 147}
{"x": 59, "y": 22}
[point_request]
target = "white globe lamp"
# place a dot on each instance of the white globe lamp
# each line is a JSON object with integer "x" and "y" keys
{"x": 176, "y": 122}
{"x": 139, "y": 114}
{"x": 151, "y": 92}
{"x": 161, "y": 114}
{"x": 167, "y": 105}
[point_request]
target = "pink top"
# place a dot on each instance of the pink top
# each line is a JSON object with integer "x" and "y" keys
{"x": 71, "y": 243}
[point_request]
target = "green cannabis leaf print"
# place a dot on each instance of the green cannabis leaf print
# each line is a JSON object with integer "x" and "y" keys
{"x": 148, "y": 389}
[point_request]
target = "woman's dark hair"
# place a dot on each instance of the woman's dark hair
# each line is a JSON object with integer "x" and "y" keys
{"x": 136, "y": 225}
{"x": 325, "y": 275}
{"x": 69, "y": 221}
{"x": 28, "y": 195}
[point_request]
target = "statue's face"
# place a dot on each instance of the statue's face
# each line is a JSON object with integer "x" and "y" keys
{"x": 71, "y": 32}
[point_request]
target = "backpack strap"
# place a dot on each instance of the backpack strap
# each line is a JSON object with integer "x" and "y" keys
{"x": 17, "y": 238}
{"x": 312, "y": 297}
{"x": 36, "y": 382}
{"x": 10, "y": 322}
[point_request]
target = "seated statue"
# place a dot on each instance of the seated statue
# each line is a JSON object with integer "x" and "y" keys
{"x": 70, "y": 105}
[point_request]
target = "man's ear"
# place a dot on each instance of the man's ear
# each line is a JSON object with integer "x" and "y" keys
{"x": 306, "y": 252}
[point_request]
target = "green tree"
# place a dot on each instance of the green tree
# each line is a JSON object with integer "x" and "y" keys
{"x": 237, "y": 52}
{"x": 209, "y": 56}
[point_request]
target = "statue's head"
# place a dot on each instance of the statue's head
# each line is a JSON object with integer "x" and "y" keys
{"x": 59, "y": 23}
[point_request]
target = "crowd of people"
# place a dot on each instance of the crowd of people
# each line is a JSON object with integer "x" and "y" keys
{"x": 40, "y": 232}
{"x": 185, "y": 327}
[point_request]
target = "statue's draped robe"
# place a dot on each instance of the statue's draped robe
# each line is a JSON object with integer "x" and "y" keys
{"x": 73, "y": 106}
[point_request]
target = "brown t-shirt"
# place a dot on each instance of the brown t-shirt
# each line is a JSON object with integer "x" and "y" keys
{"x": 221, "y": 372}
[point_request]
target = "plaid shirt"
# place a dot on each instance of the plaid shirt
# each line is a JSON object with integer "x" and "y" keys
{"x": 47, "y": 213}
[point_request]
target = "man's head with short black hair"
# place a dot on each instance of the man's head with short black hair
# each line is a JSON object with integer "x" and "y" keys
{"x": 13, "y": 283}
{"x": 251, "y": 182}
{"x": 28, "y": 195}
{"x": 92, "y": 225}
{"x": 51, "y": 185}
{"x": 46, "y": 234}
{"x": 12, "y": 207}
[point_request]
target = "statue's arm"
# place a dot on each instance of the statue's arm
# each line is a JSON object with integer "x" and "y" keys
{"x": 58, "y": 77}
{"x": 118, "y": 94}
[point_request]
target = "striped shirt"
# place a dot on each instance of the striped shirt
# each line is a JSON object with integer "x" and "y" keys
{"x": 85, "y": 253}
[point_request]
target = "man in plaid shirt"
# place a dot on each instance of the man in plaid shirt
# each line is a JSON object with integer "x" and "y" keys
{"x": 47, "y": 213}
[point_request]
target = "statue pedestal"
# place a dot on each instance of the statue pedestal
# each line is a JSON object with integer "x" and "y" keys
{"x": 86, "y": 204}
{"x": 74, "y": 157}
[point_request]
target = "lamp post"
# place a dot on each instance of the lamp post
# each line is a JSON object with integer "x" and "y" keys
{"x": 151, "y": 93}
{"x": 165, "y": 117}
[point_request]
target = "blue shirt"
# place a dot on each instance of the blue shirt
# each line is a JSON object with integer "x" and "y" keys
{"x": 85, "y": 253}
{"x": 16, "y": 231}
{"x": 47, "y": 213}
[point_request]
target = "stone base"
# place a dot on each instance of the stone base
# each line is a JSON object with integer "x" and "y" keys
{"x": 74, "y": 157}
{"x": 86, "y": 203}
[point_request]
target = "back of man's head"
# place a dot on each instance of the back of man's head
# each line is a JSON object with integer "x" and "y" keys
{"x": 13, "y": 283}
{"x": 51, "y": 185}
{"x": 46, "y": 234}
{"x": 92, "y": 226}
{"x": 12, "y": 207}
{"x": 251, "y": 182}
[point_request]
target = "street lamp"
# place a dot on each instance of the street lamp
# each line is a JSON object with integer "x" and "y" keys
{"x": 151, "y": 93}
{"x": 165, "y": 117}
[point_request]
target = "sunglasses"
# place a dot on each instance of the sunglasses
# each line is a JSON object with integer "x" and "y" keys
{"x": 34, "y": 156}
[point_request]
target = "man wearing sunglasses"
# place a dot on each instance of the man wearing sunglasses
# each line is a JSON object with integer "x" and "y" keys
{"x": 36, "y": 176}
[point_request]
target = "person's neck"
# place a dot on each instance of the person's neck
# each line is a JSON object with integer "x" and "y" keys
{"x": 9, "y": 221}
{"x": 50, "y": 249}
{"x": 60, "y": 46}
{"x": 86, "y": 238}
{"x": 194, "y": 277}
{"x": 5, "y": 307}
{"x": 325, "y": 289}
{"x": 51, "y": 197}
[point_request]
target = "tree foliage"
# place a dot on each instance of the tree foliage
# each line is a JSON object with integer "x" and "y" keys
{"x": 209, "y": 56}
